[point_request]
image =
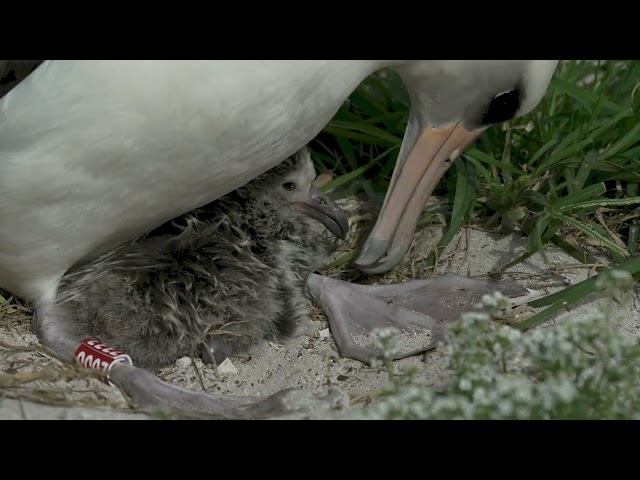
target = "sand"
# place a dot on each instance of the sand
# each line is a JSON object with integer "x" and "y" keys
{"x": 310, "y": 363}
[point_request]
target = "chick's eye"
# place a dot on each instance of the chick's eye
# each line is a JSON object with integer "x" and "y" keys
{"x": 288, "y": 186}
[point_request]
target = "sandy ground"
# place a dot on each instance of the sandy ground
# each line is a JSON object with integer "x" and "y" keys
{"x": 310, "y": 363}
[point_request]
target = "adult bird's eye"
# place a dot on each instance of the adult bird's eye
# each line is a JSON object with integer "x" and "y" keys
{"x": 503, "y": 107}
{"x": 289, "y": 186}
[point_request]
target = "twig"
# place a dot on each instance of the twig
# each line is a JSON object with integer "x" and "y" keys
{"x": 21, "y": 348}
{"x": 200, "y": 378}
{"x": 22, "y": 412}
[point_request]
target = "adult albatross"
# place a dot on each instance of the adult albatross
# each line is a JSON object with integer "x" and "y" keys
{"x": 95, "y": 153}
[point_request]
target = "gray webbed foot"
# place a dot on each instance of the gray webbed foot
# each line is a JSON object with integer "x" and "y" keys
{"x": 420, "y": 309}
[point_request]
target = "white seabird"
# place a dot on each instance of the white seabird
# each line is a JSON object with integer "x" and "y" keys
{"x": 94, "y": 153}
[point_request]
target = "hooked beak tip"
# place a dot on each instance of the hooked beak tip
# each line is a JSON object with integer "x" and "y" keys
{"x": 412, "y": 183}
{"x": 376, "y": 257}
{"x": 321, "y": 208}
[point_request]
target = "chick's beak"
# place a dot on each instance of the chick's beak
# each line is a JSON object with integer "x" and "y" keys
{"x": 321, "y": 208}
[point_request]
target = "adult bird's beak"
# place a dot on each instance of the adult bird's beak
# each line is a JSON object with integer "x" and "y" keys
{"x": 412, "y": 183}
{"x": 321, "y": 208}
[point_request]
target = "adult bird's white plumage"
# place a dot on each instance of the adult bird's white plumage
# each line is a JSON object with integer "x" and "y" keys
{"x": 93, "y": 153}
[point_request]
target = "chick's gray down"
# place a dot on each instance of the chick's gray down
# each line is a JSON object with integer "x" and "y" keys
{"x": 234, "y": 269}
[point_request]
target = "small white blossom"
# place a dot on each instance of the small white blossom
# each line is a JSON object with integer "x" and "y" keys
{"x": 582, "y": 369}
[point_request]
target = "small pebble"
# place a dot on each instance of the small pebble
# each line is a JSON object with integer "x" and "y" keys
{"x": 324, "y": 334}
{"x": 184, "y": 362}
{"x": 227, "y": 368}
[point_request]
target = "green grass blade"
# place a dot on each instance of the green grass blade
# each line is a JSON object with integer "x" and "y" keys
{"x": 631, "y": 138}
{"x": 480, "y": 168}
{"x": 429, "y": 212}
{"x": 631, "y": 266}
{"x": 348, "y": 177}
{"x": 560, "y": 154}
{"x": 534, "y": 240}
{"x": 463, "y": 202}
{"x": 622, "y": 202}
{"x": 585, "y": 194}
{"x": 588, "y": 99}
{"x": 547, "y": 313}
{"x": 357, "y": 136}
{"x": 612, "y": 246}
{"x": 585, "y": 169}
{"x": 542, "y": 150}
{"x": 483, "y": 157}
{"x": 607, "y": 124}
{"x": 595, "y": 113}
{"x": 343, "y": 259}
{"x": 347, "y": 152}
{"x": 370, "y": 130}
{"x": 568, "y": 296}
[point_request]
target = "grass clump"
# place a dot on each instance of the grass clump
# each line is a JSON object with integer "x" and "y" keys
{"x": 568, "y": 173}
{"x": 583, "y": 369}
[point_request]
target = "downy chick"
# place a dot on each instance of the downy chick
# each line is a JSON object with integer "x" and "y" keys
{"x": 231, "y": 273}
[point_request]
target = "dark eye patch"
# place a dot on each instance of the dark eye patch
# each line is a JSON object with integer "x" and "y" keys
{"x": 503, "y": 107}
{"x": 289, "y": 186}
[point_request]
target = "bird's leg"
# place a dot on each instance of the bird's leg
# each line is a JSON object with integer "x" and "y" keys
{"x": 415, "y": 308}
{"x": 294, "y": 319}
{"x": 147, "y": 391}
{"x": 55, "y": 335}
